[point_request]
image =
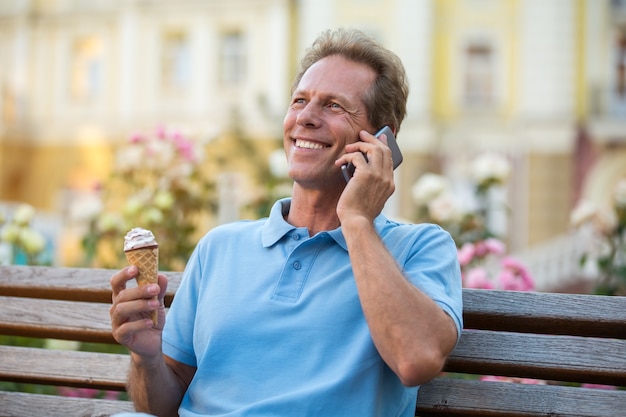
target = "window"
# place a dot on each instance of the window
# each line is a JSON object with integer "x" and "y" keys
{"x": 233, "y": 58}
{"x": 478, "y": 89}
{"x": 175, "y": 61}
{"x": 86, "y": 68}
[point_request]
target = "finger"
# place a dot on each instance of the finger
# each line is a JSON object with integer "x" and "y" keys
{"x": 125, "y": 333}
{"x": 120, "y": 278}
{"x": 162, "y": 280}
{"x": 367, "y": 137}
{"x": 357, "y": 158}
{"x": 133, "y": 310}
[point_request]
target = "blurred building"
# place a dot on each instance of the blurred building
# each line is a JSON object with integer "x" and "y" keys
{"x": 77, "y": 77}
{"x": 543, "y": 82}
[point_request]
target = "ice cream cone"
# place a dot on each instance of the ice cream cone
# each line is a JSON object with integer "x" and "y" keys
{"x": 142, "y": 250}
{"x": 147, "y": 262}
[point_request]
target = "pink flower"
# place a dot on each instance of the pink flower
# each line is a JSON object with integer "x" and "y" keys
{"x": 514, "y": 276}
{"x": 490, "y": 246}
{"x": 527, "y": 381}
{"x": 88, "y": 393}
{"x": 184, "y": 146}
{"x": 509, "y": 281}
{"x": 78, "y": 392}
{"x": 466, "y": 253}
{"x": 161, "y": 132}
{"x": 478, "y": 278}
{"x": 495, "y": 246}
{"x": 137, "y": 138}
{"x": 599, "y": 386}
{"x": 111, "y": 395}
{"x": 493, "y": 378}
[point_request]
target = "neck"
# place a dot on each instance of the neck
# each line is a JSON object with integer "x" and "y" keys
{"x": 317, "y": 211}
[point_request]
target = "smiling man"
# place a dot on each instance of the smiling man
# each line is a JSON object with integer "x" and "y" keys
{"x": 326, "y": 308}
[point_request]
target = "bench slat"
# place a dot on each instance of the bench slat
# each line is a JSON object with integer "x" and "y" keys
{"x": 549, "y": 313}
{"x": 593, "y": 360}
{"x": 19, "y": 404}
{"x": 75, "y": 284}
{"x": 72, "y": 320}
{"x": 576, "y": 314}
{"x": 449, "y": 397}
{"x": 64, "y": 367}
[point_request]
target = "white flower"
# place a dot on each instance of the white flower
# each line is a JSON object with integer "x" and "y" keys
{"x": 130, "y": 158}
{"x": 605, "y": 222}
{"x": 443, "y": 208}
{"x": 283, "y": 190}
{"x": 584, "y": 212}
{"x": 24, "y": 214}
{"x": 620, "y": 193}
{"x": 135, "y": 204}
{"x": 85, "y": 208}
{"x": 278, "y": 164}
{"x": 490, "y": 167}
{"x": 160, "y": 153}
{"x": 110, "y": 222}
{"x": 58, "y": 344}
{"x": 428, "y": 187}
{"x": 152, "y": 216}
{"x": 31, "y": 241}
{"x": 181, "y": 170}
{"x": 163, "y": 199}
{"x": 10, "y": 233}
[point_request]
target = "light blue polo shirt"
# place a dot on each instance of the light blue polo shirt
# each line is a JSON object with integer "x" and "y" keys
{"x": 271, "y": 319}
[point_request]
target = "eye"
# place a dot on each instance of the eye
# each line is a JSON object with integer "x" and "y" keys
{"x": 298, "y": 102}
{"x": 335, "y": 106}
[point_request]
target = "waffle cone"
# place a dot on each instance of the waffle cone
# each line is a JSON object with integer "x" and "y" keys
{"x": 147, "y": 262}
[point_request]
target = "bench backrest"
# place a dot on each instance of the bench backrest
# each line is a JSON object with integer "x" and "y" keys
{"x": 561, "y": 339}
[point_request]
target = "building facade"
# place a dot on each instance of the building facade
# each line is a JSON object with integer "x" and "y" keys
{"x": 542, "y": 82}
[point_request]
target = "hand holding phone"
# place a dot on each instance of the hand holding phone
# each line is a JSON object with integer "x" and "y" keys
{"x": 348, "y": 169}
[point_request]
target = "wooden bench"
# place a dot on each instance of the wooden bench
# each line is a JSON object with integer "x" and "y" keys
{"x": 554, "y": 337}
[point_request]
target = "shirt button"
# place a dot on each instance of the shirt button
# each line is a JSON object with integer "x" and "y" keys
{"x": 295, "y": 236}
{"x": 297, "y": 265}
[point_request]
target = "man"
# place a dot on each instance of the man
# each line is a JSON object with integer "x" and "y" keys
{"x": 326, "y": 308}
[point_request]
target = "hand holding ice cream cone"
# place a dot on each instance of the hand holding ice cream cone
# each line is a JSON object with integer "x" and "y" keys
{"x": 142, "y": 250}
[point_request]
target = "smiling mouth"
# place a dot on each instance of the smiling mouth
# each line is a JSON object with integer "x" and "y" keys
{"x": 309, "y": 145}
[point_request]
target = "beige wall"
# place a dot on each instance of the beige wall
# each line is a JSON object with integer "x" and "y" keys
{"x": 36, "y": 174}
{"x": 550, "y": 178}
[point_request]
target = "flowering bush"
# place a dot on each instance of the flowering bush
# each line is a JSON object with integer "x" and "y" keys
{"x": 474, "y": 260}
{"x": 482, "y": 255}
{"x": 275, "y": 184}
{"x": 89, "y": 393}
{"x": 527, "y": 381}
{"x": 26, "y": 244}
{"x": 157, "y": 184}
{"x": 607, "y": 250}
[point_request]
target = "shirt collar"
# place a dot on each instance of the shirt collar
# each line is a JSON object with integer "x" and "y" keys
{"x": 276, "y": 226}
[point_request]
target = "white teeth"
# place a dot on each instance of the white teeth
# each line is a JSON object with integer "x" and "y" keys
{"x": 308, "y": 145}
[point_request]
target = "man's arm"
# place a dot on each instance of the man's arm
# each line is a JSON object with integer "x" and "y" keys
{"x": 158, "y": 385}
{"x": 411, "y": 332}
{"x": 156, "y": 382}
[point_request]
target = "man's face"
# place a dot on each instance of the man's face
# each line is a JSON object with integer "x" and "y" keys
{"x": 326, "y": 113}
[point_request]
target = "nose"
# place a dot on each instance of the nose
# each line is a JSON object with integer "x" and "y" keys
{"x": 308, "y": 116}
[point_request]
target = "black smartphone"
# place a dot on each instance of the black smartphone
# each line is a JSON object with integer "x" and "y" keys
{"x": 348, "y": 169}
